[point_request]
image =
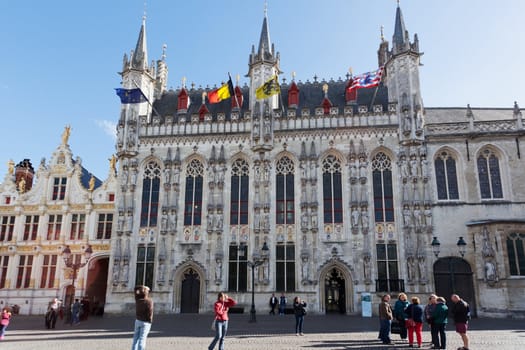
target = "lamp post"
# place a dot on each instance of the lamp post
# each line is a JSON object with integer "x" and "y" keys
{"x": 435, "y": 246}
{"x": 258, "y": 260}
{"x": 69, "y": 261}
{"x": 462, "y": 246}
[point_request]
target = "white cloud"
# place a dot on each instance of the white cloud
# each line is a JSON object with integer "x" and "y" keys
{"x": 109, "y": 127}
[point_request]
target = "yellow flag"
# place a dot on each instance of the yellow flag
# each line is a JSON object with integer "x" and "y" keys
{"x": 269, "y": 88}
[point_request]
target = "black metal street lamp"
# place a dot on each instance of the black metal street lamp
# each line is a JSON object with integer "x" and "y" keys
{"x": 435, "y": 246}
{"x": 258, "y": 260}
{"x": 462, "y": 246}
{"x": 69, "y": 261}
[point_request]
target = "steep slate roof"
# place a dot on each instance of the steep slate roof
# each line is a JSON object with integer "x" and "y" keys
{"x": 310, "y": 97}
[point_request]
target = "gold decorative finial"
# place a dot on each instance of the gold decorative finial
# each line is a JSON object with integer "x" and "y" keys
{"x": 183, "y": 82}
{"x": 91, "y": 183}
{"x": 237, "y": 79}
{"x": 325, "y": 88}
{"x": 10, "y": 167}
{"x": 350, "y": 70}
{"x": 293, "y": 75}
{"x": 204, "y": 97}
{"x": 65, "y": 134}
{"x": 113, "y": 163}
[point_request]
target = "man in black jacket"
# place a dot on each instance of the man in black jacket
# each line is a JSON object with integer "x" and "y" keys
{"x": 461, "y": 314}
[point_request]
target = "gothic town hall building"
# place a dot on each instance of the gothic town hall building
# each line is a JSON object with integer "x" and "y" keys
{"x": 317, "y": 191}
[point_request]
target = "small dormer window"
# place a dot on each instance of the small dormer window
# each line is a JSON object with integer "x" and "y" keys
{"x": 7, "y": 200}
{"x": 59, "y": 188}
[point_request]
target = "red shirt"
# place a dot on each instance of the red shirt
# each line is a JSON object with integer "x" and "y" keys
{"x": 221, "y": 309}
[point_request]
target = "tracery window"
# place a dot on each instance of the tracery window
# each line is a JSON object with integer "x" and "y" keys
{"x": 104, "y": 226}
{"x": 150, "y": 195}
{"x": 516, "y": 253}
{"x": 31, "y": 227}
{"x": 285, "y": 191}
{"x": 382, "y": 184}
{"x": 332, "y": 190}
{"x": 446, "y": 176}
{"x": 387, "y": 268}
{"x": 23, "y": 279}
{"x": 239, "y": 192}
{"x": 489, "y": 175}
{"x": 145, "y": 265}
{"x": 59, "y": 188}
{"x": 193, "y": 196}
{"x": 54, "y": 226}
{"x": 4, "y": 263}
{"x": 285, "y": 267}
{"x": 49, "y": 265}
{"x": 238, "y": 268}
{"x": 78, "y": 223}
{"x": 7, "y": 227}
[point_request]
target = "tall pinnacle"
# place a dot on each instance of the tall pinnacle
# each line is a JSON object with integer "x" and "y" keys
{"x": 140, "y": 55}
{"x": 264, "y": 41}
{"x": 400, "y": 40}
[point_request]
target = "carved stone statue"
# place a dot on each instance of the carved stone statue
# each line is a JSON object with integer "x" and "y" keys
{"x": 113, "y": 163}
{"x": 22, "y": 185}
{"x": 414, "y": 169}
{"x": 411, "y": 268}
{"x": 218, "y": 269}
{"x": 355, "y": 217}
{"x": 490, "y": 271}
{"x": 403, "y": 165}
{"x": 428, "y": 216}
{"x": 304, "y": 269}
{"x": 407, "y": 216}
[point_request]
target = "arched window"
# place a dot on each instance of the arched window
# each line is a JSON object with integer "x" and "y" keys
{"x": 332, "y": 190}
{"x": 516, "y": 253}
{"x": 382, "y": 184}
{"x": 285, "y": 191}
{"x": 150, "y": 195}
{"x": 446, "y": 176}
{"x": 489, "y": 175}
{"x": 239, "y": 193}
{"x": 193, "y": 193}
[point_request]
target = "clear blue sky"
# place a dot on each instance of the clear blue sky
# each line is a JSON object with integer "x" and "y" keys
{"x": 59, "y": 58}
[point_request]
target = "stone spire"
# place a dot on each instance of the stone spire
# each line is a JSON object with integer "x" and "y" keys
{"x": 139, "y": 60}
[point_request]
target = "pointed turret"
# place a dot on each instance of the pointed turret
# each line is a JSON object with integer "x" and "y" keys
{"x": 402, "y": 80}
{"x": 400, "y": 41}
{"x": 139, "y": 60}
{"x": 264, "y": 41}
{"x": 263, "y": 64}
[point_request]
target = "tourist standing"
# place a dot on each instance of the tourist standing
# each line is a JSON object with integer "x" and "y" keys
{"x": 221, "y": 307}
{"x": 273, "y": 304}
{"x": 439, "y": 321}
{"x": 385, "y": 319}
{"x": 5, "y": 318}
{"x": 429, "y": 310}
{"x": 461, "y": 314}
{"x": 299, "y": 309}
{"x": 144, "y": 317}
{"x": 414, "y": 322}
{"x": 282, "y": 304}
{"x": 399, "y": 313}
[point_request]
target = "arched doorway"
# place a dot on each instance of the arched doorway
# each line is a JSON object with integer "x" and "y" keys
{"x": 96, "y": 285}
{"x": 335, "y": 292}
{"x": 453, "y": 275}
{"x": 190, "y": 292}
{"x": 335, "y": 287}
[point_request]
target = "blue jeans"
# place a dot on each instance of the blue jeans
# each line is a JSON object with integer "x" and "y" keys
{"x": 299, "y": 323}
{"x": 141, "y": 333}
{"x": 384, "y": 330}
{"x": 221, "y": 328}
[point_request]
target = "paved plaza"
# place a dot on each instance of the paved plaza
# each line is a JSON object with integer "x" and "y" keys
{"x": 192, "y": 332}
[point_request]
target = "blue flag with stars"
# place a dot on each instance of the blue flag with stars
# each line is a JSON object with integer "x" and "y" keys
{"x": 131, "y": 96}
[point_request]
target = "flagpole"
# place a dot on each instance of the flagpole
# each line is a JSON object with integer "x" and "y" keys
{"x": 234, "y": 94}
{"x": 377, "y": 88}
{"x": 147, "y": 100}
